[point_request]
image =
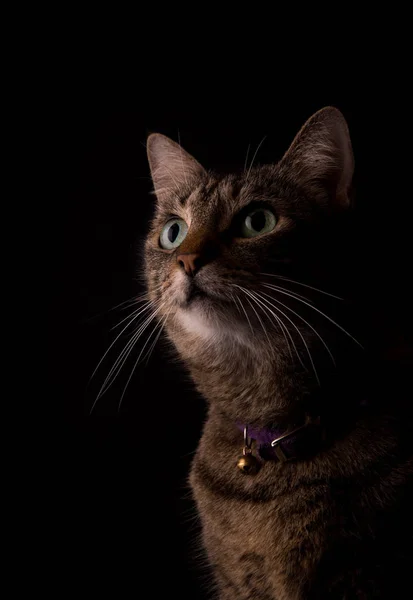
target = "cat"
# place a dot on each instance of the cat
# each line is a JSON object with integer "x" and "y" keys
{"x": 258, "y": 280}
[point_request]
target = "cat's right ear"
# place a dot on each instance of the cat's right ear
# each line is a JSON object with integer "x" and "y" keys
{"x": 171, "y": 167}
{"x": 321, "y": 158}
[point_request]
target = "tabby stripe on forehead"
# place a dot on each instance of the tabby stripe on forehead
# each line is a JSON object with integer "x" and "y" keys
{"x": 203, "y": 188}
{"x": 184, "y": 199}
{"x": 212, "y": 186}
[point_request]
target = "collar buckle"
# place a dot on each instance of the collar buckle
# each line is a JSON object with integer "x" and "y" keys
{"x": 275, "y": 444}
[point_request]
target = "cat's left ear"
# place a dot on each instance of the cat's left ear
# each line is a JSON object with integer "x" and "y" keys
{"x": 171, "y": 167}
{"x": 321, "y": 158}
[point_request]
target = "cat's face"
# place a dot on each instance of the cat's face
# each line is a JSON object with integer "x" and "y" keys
{"x": 215, "y": 241}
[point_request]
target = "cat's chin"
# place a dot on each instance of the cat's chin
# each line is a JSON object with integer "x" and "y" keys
{"x": 201, "y": 317}
{"x": 196, "y": 295}
{"x": 208, "y": 315}
{"x": 193, "y": 295}
{"x": 200, "y": 305}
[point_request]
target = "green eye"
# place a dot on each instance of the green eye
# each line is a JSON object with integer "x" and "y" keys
{"x": 258, "y": 221}
{"x": 173, "y": 233}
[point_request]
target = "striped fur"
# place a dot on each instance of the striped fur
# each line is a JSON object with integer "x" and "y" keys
{"x": 338, "y": 525}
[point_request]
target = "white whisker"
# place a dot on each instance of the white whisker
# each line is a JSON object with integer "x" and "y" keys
{"x": 295, "y": 294}
{"x": 303, "y": 284}
{"x": 159, "y": 324}
{"x": 258, "y": 317}
{"x": 245, "y": 312}
{"x": 235, "y": 302}
{"x": 112, "y": 344}
{"x": 255, "y": 154}
{"x": 151, "y": 349}
{"x": 246, "y": 158}
{"x": 137, "y": 312}
{"x": 131, "y": 302}
{"x": 121, "y": 359}
{"x": 299, "y": 333}
{"x": 128, "y": 348}
{"x": 123, "y": 356}
{"x": 317, "y": 310}
{"x": 149, "y": 303}
{"x": 306, "y": 322}
{"x": 278, "y": 320}
{"x": 283, "y": 327}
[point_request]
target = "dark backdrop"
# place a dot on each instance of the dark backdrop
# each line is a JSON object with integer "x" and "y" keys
{"x": 125, "y": 517}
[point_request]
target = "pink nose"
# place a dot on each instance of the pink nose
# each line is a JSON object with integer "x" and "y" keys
{"x": 189, "y": 262}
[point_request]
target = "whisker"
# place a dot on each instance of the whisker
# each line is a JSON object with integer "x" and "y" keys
{"x": 152, "y": 346}
{"x": 246, "y": 158}
{"x": 258, "y": 317}
{"x": 161, "y": 324}
{"x": 138, "y": 310}
{"x": 111, "y": 377}
{"x": 279, "y": 321}
{"x": 149, "y": 303}
{"x": 283, "y": 327}
{"x": 303, "y": 284}
{"x": 255, "y": 154}
{"x": 112, "y": 344}
{"x": 120, "y": 361}
{"x": 133, "y": 303}
{"x": 295, "y": 294}
{"x": 136, "y": 364}
{"x": 319, "y": 311}
{"x": 236, "y": 304}
{"x": 145, "y": 295}
{"x": 306, "y": 322}
{"x": 299, "y": 333}
{"x": 245, "y": 312}
{"x": 151, "y": 349}
{"x": 123, "y": 356}
{"x": 133, "y": 300}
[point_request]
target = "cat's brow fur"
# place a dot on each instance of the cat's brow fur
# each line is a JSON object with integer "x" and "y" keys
{"x": 336, "y": 525}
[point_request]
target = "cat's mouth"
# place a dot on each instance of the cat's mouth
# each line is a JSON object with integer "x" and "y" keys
{"x": 203, "y": 291}
{"x": 195, "y": 293}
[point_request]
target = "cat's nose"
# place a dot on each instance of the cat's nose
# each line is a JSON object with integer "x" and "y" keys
{"x": 190, "y": 262}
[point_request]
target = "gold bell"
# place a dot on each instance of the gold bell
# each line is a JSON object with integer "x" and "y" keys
{"x": 248, "y": 464}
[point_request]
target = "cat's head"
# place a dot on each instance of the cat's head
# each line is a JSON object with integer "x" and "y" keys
{"x": 214, "y": 239}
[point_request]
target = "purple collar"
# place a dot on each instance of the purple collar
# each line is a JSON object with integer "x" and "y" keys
{"x": 297, "y": 441}
{"x": 285, "y": 444}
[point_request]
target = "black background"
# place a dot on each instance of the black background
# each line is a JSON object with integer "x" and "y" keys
{"x": 125, "y": 519}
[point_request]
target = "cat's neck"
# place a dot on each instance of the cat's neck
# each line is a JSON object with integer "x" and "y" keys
{"x": 247, "y": 381}
{"x": 253, "y": 384}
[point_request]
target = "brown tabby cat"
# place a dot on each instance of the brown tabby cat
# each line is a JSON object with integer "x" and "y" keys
{"x": 258, "y": 282}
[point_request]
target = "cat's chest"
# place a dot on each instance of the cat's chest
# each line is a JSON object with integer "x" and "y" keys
{"x": 257, "y": 548}
{"x": 253, "y": 550}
